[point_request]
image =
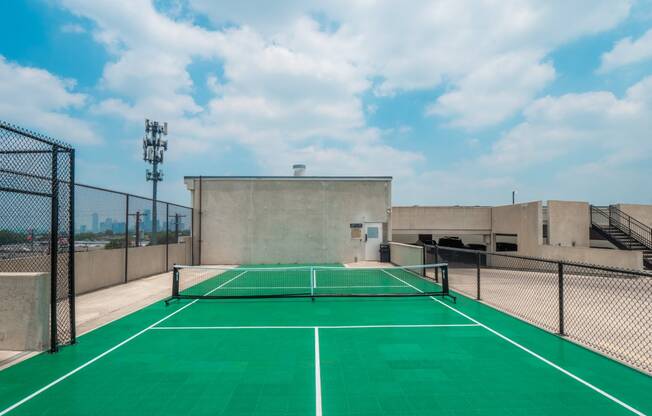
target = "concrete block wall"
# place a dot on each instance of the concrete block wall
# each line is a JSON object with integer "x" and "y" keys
{"x": 24, "y": 311}
{"x": 642, "y": 213}
{"x": 405, "y": 254}
{"x": 525, "y": 220}
{"x": 569, "y": 223}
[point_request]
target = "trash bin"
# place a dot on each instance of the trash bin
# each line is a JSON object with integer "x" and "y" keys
{"x": 384, "y": 253}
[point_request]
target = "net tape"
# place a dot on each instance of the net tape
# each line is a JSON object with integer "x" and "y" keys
{"x": 199, "y": 282}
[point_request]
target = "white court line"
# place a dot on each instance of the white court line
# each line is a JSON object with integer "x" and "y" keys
{"x": 317, "y": 375}
{"x": 115, "y": 347}
{"x": 532, "y": 353}
{"x": 201, "y": 328}
{"x": 306, "y": 287}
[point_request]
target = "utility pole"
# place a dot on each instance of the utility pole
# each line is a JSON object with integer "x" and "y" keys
{"x": 513, "y": 197}
{"x": 176, "y": 217}
{"x": 153, "y": 148}
{"x": 137, "y": 215}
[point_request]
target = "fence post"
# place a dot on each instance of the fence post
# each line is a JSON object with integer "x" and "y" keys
{"x": 477, "y": 265}
{"x": 192, "y": 234}
{"x": 127, "y": 238}
{"x": 54, "y": 248}
{"x": 137, "y": 229}
{"x": 561, "y": 298}
{"x": 71, "y": 249}
{"x": 167, "y": 235}
{"x": 199, "y": 231}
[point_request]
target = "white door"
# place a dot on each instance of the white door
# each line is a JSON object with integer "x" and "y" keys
{"x": 373, "y": 232}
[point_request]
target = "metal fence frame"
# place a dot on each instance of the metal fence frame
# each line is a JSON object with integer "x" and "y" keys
{"x": 565, "y": 296}
{"x": 21, "y": 151}
{"x": 166, "y": 224}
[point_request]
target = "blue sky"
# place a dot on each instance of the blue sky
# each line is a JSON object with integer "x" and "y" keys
{"x": 460, "y": 103}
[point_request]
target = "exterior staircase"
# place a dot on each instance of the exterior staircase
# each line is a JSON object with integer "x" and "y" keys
{"x": 623, "y": 231}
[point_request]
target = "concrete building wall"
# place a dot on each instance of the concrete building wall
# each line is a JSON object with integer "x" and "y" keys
{"x": 24, "y": 311}
{"x": 406, "y": 254}
{"x": 285, "y": 220}
{"x": 643, "y": 213}
{"x": 524, "y": 220}
{"x": 569, "y": 224}
{"x": 441, "y": 220}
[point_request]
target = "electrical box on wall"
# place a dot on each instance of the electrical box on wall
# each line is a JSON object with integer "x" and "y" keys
{"x": 356, "y": 231}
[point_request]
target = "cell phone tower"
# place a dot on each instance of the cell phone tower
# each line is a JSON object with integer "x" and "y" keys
{"x": 153, "y": 148}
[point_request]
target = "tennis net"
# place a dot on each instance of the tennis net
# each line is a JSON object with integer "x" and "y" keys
{"x": 214, "y": 282}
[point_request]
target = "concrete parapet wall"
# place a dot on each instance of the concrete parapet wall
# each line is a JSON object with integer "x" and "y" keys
{"x": 146, "y": 261}
{"x": 598, "y": 256}
{"x": 98, "y": 269}
{"x": 441, "y": 220}
{"x": 24, "y": 311}
{"x": 405, "y": 254}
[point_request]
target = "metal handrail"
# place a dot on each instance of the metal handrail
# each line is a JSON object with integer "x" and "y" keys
{"x": 631, "y": 226}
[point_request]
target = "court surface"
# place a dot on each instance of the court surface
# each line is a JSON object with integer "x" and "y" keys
{"x": 330, "y": 356}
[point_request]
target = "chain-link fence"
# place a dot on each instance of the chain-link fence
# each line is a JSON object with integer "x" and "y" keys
{"x": 107, "y": 219}
{"x": 37, "y": 197}
{"x": 605, "y": 309}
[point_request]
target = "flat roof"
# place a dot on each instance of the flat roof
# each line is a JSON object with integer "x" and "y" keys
{"x": 293, "y": 178}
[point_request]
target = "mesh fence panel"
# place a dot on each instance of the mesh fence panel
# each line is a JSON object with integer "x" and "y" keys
{"x": 178, "y": 222}
{"x": 140, "y": 221}
{"x": 608, "y": 310}
{"x": 611, "y": 312}
{"x": 36, "y": 221}
{"x": 99, "y": 219}
{"x": 522, "y": 287}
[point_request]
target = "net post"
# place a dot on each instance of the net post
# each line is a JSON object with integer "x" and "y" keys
{"x": 313, "y": 283}
{"x": 444, "y": 280}
{"x": 175, "y": 282}
{"x": 436, "y": 262}
{"x": 423, "y": 260}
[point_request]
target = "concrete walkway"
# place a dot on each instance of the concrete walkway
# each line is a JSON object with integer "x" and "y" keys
{"x": 98, "y": 308}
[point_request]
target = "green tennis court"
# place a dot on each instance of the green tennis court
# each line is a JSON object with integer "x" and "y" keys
{"x": 328, "y": 356}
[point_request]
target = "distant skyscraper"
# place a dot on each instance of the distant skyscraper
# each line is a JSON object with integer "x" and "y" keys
{"x": 147, "y": 220}
{"x": 95, "y": 227}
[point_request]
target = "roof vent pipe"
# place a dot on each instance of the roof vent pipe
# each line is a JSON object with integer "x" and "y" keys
{"x": 299, "y": 170}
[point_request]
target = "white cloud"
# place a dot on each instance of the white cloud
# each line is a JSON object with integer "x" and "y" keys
{"x": 36, "y": 98}
{"x": 497, "y": 89}
{"x": 290, "y": 91}
{"x": 423, "y": 44}
{"x": 73, "y": 28}
{"x": 627, "y": 51}
{"x": 599, "y": 126}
